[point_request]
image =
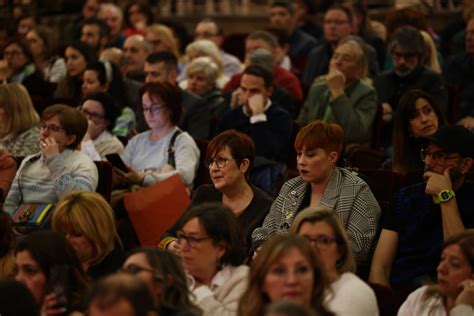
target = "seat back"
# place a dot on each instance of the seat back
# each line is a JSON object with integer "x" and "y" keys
{"x": 202, "y": 174}
{"x": 104, "y": 187}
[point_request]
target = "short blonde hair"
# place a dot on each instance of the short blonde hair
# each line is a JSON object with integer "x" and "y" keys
{"x": 166, "y": 35}
{"x": 327, "y": 215}
{"x": 206, "y": 48}
{"x": 206, "y": 66}
{"x": 20, "y": 115}
{"x": 89, "y": 215}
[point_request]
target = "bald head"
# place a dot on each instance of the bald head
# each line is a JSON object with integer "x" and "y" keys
{"x": 135, "y": 50}
{"x": 112, "y": 15}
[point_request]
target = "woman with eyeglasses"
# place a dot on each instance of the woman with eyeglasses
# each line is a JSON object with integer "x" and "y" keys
{"x": 229, "y": 157}
{"x": 212, "y": 252}
{"x": 101, "y": 113}
{"x": 58, "y": 168}
{"x": 88, "y": 223}
{"x": 164, "y": 275}
{"x": 286, "y": 269}
{"x": 417, "y": 117}
{"x": 348, "y": 294}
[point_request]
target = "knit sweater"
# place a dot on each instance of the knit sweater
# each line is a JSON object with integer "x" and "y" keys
{"x": 23, "y": 144}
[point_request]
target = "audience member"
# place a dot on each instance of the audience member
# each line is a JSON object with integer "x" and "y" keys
{"x": 164, "y": 275}
{"x": 430, "y": 59}
{"x": 19, "y": 131}
{"x": 19, "y": 300}
{"x": 229, "y": 157}
{"x": 47, "y": 265}
{"x": 120, "y": 294}
{"x": 26, "y": 22}
{"x": 342, "y": 97}
{"x": 138, "y": 16}
{"x": 305, "y": 11}
{"x": 73, "y": 30}
{"x": 59, "y": 167}
{"x": 101, "y": 113}
{"x": 8, "y": 168}
{"x": 160, "y": 38}
{"x": 281, "y": 51}
{"x": 112, "y": 15}
{"x": 453, "y": 293}
{"x": 349, "y": 295}
{"x": 318, "y": 146}
{"x": 95, "y": 33}
{"x": 212, "y": 252}
{"x": 425, "y": 214}
{"x": 285, "y": 269}
{"x": 135, "y": 50}
{"x": 7, "y": 239}
{"x": 417, "y": 117}
{"x": 210, "y": 30}
{"x": 44, "y": 45}
{"x": 195, "y": 118}
{"x": 88, "y": 223}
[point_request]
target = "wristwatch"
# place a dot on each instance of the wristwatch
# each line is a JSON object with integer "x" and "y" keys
{"x": 444, "y": 196}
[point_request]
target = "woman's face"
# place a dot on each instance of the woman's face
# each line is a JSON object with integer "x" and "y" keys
{"x": 136, "y": 17}
{"x": 138, "y": 265}
{"x": 424, "y": 123}
{"x": 15, "y": 57}
{"x": 315, "y": 165}
{"x": 82, "y": 245}
{"x": 156, "y": 114}
{"x": 199, "y": 258}
{"x": 323, "y": 239}
{"x": 36, "y": 43}
{"x": 91, "y": 83}
{"x": 75, "y": 62}
{"x": 52, "y": 129}
{"x": 452, "y": 270}
{"x": 290, "y": 278}
{"x": 198, "y": 84}
{"x": 230, "y": 175}
{"x": 95, "y": 114}
{"x": 30, "y": 274}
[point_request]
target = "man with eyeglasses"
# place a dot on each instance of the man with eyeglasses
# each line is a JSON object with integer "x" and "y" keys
{"x": 422, "y": 216}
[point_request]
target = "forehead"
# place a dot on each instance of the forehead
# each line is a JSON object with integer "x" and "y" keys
{"x": 90, "y": 74}
{"x": 209, "y": 27}
{"x": 93, "y": 104}
{"x": 318, "y": 227}
{"x": 251, "y": 81}
{"x": 279, "y": 10}
{"x": 351, "y": 50}
{"x": 91, "y": 28}
{"x": 257, "y": 43}
{"x": 109, "y": 12}
{"x": 134, "y": 43}
{"x": 157, "y": 67}
{"x": 336, "y": 14}
{"x": 72, "y": 51}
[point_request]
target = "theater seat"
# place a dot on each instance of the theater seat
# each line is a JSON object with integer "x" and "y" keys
{"x": 202, "y": 174}
{"x": 104, "y": 187}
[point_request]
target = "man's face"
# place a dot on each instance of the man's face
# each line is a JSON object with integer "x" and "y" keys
{"x": 470, "y": 37}
{"x": 252, "y": 85}
{"x": 346, "y": 58}
{"x": 135, "y": 54}
{"x": 90, "y": 8}
{"x": 281, "y": 18}
{"x": 404, "y": 62}
{"x": 437, "y": 161}
{"x": 111, "y": 16}
{"x": 157, "y": 73}
{"x": 207, "y": 30}
{"x": 90, "y": 34}
{"x": 336, "y": 26}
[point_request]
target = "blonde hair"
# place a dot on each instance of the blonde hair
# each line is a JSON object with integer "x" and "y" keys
{"x": 430, "y": 59}
{"x": 20, "y": 115}
{"x": 323, "y": 214}
{"x": 166, "y": 35}
{"x": 88, "y": 214}
{"x": 206, "y": 48}
{"x": 205, "y": 65}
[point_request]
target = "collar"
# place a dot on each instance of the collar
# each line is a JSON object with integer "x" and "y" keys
{"x": 103, "y": 137}
{"x": 269, "y": 103}
{"x": 221, "y": 277}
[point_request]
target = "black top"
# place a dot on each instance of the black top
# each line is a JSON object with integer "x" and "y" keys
{"x": 110, "y": 264}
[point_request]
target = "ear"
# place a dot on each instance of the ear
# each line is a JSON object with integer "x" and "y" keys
{"x": 244, "y": 165}
{"x": 333, "y": 156}
{"x": 70, "y": 139}
{"x": 269, "y": 91}
{"x": 221, "y": 249}
{"x": 466, "y": 165}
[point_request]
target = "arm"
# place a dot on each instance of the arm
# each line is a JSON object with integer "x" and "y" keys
{"x": 383, "y": 257}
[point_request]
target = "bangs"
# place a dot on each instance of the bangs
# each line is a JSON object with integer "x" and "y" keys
{"x": 319, "y": 134}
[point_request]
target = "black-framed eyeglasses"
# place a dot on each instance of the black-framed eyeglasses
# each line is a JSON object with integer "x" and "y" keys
{"x": 405, "y": 56}
{"x": 439, "y": 157}
{"x": 190, "y": 240}
{"x": 94, "y": 116}
{"x": 135, "y": 269}
{"x": 152, "y": 109}
{"x": 221, "y": 162}
{"x": 50, "y": 127}
{"x": 322, "y": 241}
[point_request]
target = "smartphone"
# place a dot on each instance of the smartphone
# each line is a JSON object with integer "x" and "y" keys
{"x": 117, "y": 162}
{"x": 59, "y": 284}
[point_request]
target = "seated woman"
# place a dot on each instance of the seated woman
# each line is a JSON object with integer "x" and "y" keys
{"x": 286, "y": 268}
{"x": 155, "y": 266}
{"x": 41, "y": 258}
{"x": 349, "y": 295}
{"x": 138, "y": 16}
{"x": 230, "y": 157}
{"x": 212, "y": 252}
{"x": 202, "y": 74}
{"x": 342, "y": 97}
{"x": 101, "y": 113}
{"x": 44, "y": 44}
{"x": 453, "y": 293}
{"x": 417, "y": 116}
{"x": 19, "y": 131}
{"x": 318, "y": 146}
{"x": 147, "y": 154}
{"x": 88, "y": 223}
{"x": 59, "y": 168}
{"x": 104, "y": 76}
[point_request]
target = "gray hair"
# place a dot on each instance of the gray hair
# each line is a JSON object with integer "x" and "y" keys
{"x": 208, "y": 48}
{"x": 205, "y": 65}
{"x": 408, "y": 39}
{"x": 356, "y": 41}
{"x": 263, "y": 58}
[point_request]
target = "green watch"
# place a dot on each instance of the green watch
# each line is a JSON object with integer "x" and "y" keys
{"x": 444, "y": 196}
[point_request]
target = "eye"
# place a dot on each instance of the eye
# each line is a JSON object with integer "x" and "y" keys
{"x": 278, "y": 270}
{"x": 302, "y": 269}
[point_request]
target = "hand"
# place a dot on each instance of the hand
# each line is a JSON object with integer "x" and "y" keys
{"x": 131, "y": 177}
{"x": 336, "y": 82}
{"x": 256, "y": 104}
{"x": 174, "y": 247}
{"x": 167, "y": 168}
{"x": 237, "y": 98}
{"x": 467, "y": 122}
{"x": 387, "y": 112}
{"x": 49, "y": 147}
{"x": 93, "y": 129}
{"x": 435, "y": 183}
{"x": 466, "y": 296}
{"x": 49, "y": 306}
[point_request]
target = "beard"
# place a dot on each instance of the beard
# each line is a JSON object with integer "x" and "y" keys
{"x": 402, "y": 71}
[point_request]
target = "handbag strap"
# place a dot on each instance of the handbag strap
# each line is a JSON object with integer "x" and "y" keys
{"x": 171, "y": 158}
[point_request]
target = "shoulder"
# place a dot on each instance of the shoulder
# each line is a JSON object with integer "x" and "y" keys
{"x": 261, "y": 196}
{"x": 139, "y": 138}
{"x": 349, "y": 177}
{"x": 240, "y": 272}
{"x": 207, "y": 192}
{"x": 33, "y": 132}
{"x": 293, "y": 186}
{"x": 351, "y": 283}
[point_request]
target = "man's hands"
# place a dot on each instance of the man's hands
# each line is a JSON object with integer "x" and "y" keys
{"x": 435, "y": 183}
{"x": 256, "y": 104}
{"x": 336, "y": 82}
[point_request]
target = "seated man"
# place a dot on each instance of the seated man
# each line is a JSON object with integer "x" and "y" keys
{"x": 135, "y": 50}
{"x": 425, "y": 214}
{"x": 95, "y": 32}
{"x": 342, "y": 97}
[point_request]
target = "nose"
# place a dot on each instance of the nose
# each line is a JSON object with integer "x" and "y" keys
{"x": 44, "y": 132}
{"x": 300, "y": 160}
{"x": 441, "y": 269}
{"x": 19, "y": 277}
{"x": 291, "y": 277}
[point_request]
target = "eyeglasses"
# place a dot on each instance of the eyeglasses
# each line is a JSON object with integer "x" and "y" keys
{"x": 94, "y": 116}
{"x": 153, "y": 109}
{"x": 336, "y": 22}
{"x": 322, "y": 241}
{"x": 12, "y": 54}
{"x": 190, "y": 240}
{"x": 405, "y": 56}
{"x": 135, "y": 269}
{"x": 50, "y": 127}
{"x": 439, "y": 156}
{"x": 221, "y": 162}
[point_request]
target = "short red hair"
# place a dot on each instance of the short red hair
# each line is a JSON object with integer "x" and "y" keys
{"x": 319, "y": 134}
